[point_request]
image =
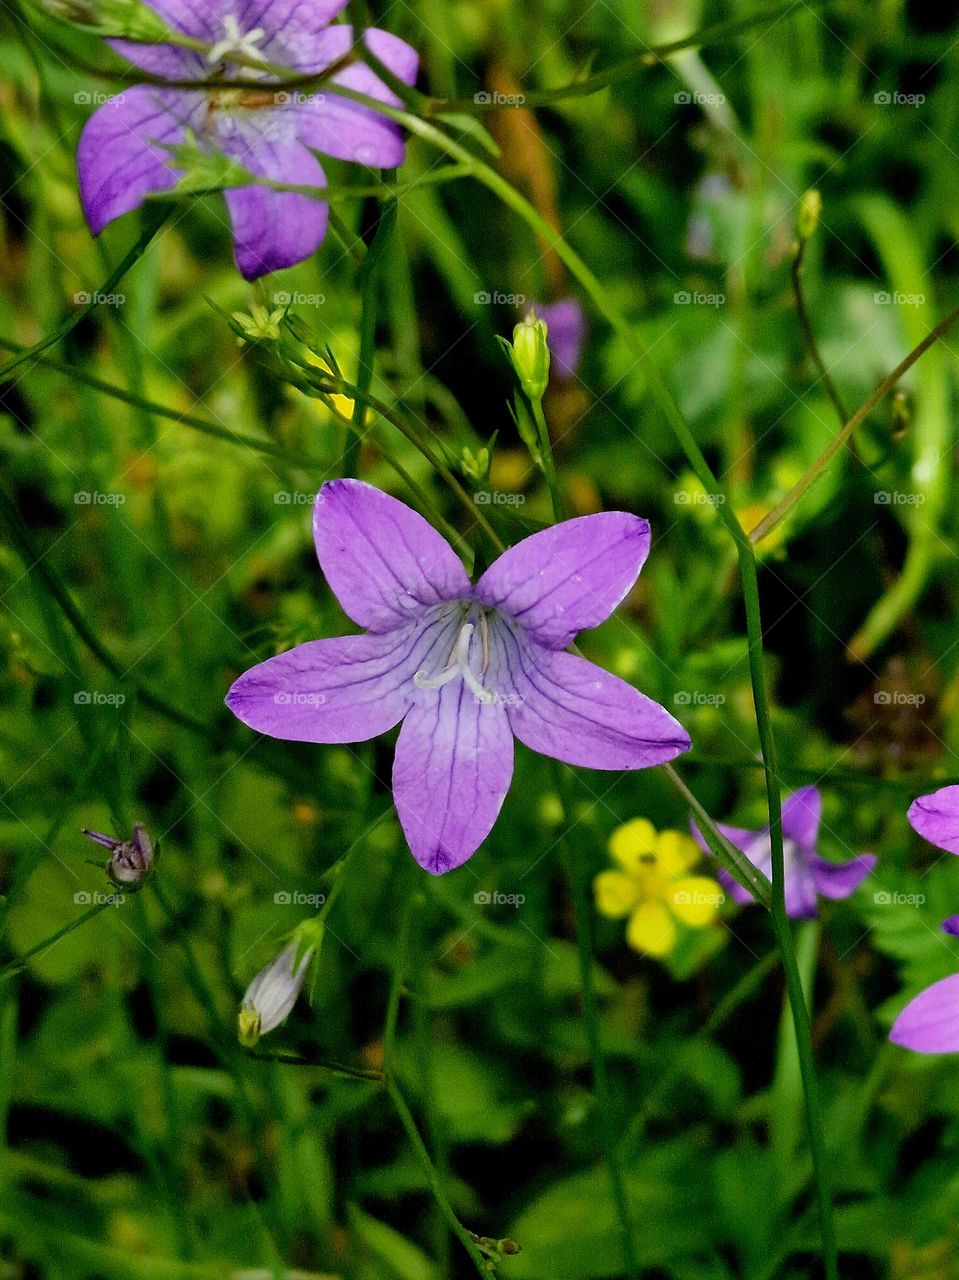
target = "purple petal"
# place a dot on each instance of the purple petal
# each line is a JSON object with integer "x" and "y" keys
{"x": 167, "y": 60}
{"x": 348, "y": 130}
{"x": 839, "y": 879}
{"x": 566, "y": 323}
{"x": 570, "y": 709}
{"x": 569, "y": 577}
{"x": 936, "y": 818}
{"x": 951, "y": 925}
{"x": 800, "y": 894}
{"x": 453, "y": 765}
{"x": 802, "y": 812}
{"x": 930, "y": 1023}
{"x": 118, "y": 163}
{"x": 297, "y": 33}
{"x": 347, "y": 689}
{"x": 383, "y": 561}
{"x": 271, "y": 229}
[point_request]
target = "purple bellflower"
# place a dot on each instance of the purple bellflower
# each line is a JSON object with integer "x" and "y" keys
{"x": 271, "y": 133}
{"x": 936, "y": 818}
{"x": 930, "y": 1022}
{"x": 808, "y": 876}
{"x": 464, "y": 667}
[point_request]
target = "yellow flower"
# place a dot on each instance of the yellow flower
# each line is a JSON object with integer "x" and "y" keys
{"x": 653, "y": 887}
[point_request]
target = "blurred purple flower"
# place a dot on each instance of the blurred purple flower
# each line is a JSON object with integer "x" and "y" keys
{"x": 808, "y": 876}
{"x": 131, "y": 861}
{"x": 274, "y": 134}
{"x": 930, "y": 1022}
{"x": 936, "y": 818}
{"x": 464, "y": 667}
{"x": 566, "y": 322}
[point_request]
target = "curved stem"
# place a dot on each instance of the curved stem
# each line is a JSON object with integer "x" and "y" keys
{"x": 809, "y": 337}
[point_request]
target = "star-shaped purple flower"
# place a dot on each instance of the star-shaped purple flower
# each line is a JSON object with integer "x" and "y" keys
{"x": 808, "y": 876}
{"x": 274, "y": 134}
{"x": 930, "y": 1022}
{"x": 464, "y": 667}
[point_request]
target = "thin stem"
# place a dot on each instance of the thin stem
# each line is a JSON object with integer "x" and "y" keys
{"x": 16, "y": 966}
{"x": 324, "y": 1064}
{"x": 809, "y": 477}
{"x": 549, "y": 462}
{"x": 808, "y": 336}
{"x": 578, "y": 873}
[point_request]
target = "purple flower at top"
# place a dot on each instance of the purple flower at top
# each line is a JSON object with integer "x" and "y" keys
{"x": 936, "y": 818}
{"x": 272, "y": 133}
{"x": 930, "y": 1022}
{"x": 464, "y": 667}
{"x": 566, "y": 323}
{"x": 808, "y": 876}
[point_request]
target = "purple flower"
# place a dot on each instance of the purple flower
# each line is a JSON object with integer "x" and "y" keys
{"x": 274, "y": 134}
{"x": 131, "y": 861}
{"x": 566, "y": 323}
{"x": 936, "y": 818}
{"x": 807, "y": 874}
{"x": 930, "y": 1022}
{"x": 464, "y": 667}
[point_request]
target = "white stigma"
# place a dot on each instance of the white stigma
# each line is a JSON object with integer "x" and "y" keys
{"x": 457, "y": 666}
{"x": 236, "y": 42}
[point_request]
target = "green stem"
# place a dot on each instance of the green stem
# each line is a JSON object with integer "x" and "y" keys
{"x": 808, "y": 336}
{"x": 546, "y": 452}
{"x": 578, "y": 873}
{"x": 812, "y": 474}
{"x": 371, "y": 273}
{"x": 16, "y": 966}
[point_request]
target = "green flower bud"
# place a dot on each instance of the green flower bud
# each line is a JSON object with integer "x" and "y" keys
{"x": 807, "y": 219}
{"x": 530, "y": 355}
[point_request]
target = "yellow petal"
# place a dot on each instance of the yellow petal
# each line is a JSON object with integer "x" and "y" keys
{"x": 651, "y": 929}
{"x": 633, "y": 843}
{"x": 616, "y": 894}
{"x": 695, "y": 900}
{"x": 677, "y": 853}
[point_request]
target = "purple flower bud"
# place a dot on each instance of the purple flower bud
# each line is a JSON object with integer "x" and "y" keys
{"x": 131, "y": 861}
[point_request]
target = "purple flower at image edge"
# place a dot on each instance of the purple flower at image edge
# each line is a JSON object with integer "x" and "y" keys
{"x": 274, "y": 134}
{"x": 807, "y": 875}
{"x": 930, "y": 1022}
{"x": 566, "y": 325}
{"x": 936, "y": 818}
{"x": 465, "y": 668}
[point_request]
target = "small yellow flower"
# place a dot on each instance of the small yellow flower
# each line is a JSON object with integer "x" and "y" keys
{"x": 653, "y": 887}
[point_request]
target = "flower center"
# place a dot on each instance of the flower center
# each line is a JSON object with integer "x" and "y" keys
{"x": 458, "y": 664}
{"x": 234, "y": 41}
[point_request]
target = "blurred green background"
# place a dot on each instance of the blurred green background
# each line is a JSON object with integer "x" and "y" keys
{"x": 148, "y": 559}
